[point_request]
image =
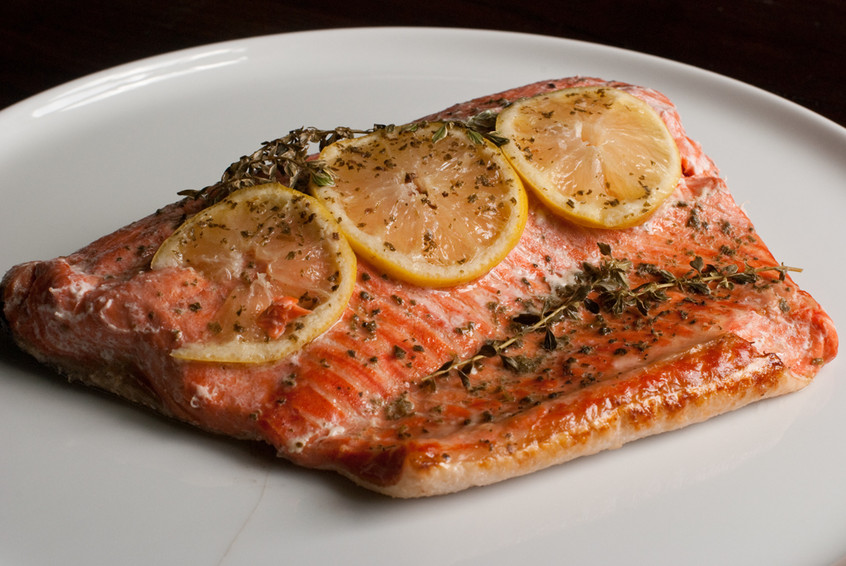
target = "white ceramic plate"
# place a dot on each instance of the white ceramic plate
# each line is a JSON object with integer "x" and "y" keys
{"x": 86, "y": 479}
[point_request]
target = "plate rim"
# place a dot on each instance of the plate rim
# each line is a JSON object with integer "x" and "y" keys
{"x": 369, "y": 30}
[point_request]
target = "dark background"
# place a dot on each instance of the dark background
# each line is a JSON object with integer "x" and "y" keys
{"x": 788, "y": 47}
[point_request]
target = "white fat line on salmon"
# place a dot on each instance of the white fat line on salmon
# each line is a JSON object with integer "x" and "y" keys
{"x": 76, "y": 291}
{"x": 297, "y": 444}
{"x": 79, "y": 288}
{"x": 201, "y": 394}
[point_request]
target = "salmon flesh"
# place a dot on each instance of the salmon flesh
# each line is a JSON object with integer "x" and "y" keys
{"x": 580, "y": 340}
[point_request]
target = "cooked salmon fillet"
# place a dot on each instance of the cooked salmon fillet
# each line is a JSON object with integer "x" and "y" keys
{"x": 406, "y": 395}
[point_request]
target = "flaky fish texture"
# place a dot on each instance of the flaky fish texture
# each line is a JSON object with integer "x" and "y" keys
{"x": 367, "y": 399}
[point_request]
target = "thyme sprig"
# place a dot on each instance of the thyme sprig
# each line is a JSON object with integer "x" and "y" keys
{"x": 287, "y": 159}
{"x": 605, "y": 288}
{"x": 478, "y": 128}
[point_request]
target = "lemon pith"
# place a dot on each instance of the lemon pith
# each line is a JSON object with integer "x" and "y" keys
{"x": 596, "y": 155}
{"x": 287, "y": 272}
{"x": 426, "y": 204}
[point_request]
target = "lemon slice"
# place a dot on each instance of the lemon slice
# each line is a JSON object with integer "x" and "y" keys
{"x": 597, "y": 156}
{"x": 284, "y": 268}
{"x": 432, "y": 204}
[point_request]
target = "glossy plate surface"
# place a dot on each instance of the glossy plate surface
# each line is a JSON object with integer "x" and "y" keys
{"x": 86, "y": 479}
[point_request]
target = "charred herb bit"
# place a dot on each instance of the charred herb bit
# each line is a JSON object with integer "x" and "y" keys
{"x": 399, "y": 408}
{"x": 608, "y": 284}
{"x": 693, "y": 220}
{"x": 488, "y": 350}
{"x": 466, "y": 329}
{"x": 527, "y": 319}
{"x": 520, "y": 364}
{"x": 403, "y": 433}
{"x": 550, "y": 342}
{"x": 463, "y": 375}
{"x": 510, "y": 363}
{"x": 587, "y": 379}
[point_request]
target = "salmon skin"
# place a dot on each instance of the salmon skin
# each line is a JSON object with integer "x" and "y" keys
{"x": 412, "y": 392}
